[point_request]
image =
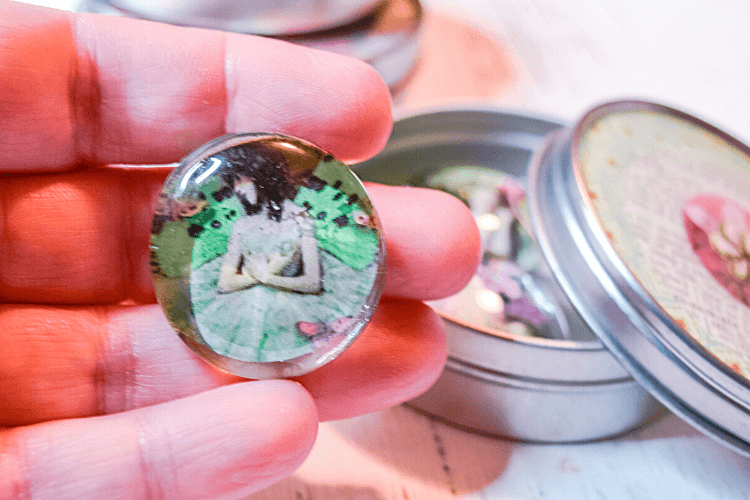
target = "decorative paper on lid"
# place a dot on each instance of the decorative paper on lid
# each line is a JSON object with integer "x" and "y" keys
{"x": 673, "y": 199}
{"x": 643, "y": 213}
{"x": 266, "y": 255}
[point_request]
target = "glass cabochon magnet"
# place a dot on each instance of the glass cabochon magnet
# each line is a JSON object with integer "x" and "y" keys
{"x": 266, "y": 255}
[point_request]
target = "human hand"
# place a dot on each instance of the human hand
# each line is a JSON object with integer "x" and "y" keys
{"x": 277, "y": 261}
{"x": 98, "y": 396}
{"x": 230, "y": 280}
{"x": 259, "y": 267}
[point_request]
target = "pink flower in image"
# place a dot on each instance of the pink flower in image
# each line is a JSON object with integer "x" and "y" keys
{"x": 717, "y": 229}
{"x": 361, "y": 219}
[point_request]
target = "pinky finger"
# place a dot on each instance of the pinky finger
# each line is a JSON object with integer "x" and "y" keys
{"x": 221, "y": 444}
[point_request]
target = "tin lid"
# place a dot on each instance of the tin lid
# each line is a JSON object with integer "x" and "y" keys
{"x": 643, "y": 214}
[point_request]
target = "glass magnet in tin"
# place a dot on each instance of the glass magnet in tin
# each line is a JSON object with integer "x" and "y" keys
{"x": 266, "y": 255}
{"x": 561, "y": 386}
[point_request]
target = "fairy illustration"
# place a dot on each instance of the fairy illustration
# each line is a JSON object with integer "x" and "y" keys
{"x": 285, "y": 267}
{"x": 274, "y": 245}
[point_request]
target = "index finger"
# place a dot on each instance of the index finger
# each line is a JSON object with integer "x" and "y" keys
{"x": 84, "y": 88}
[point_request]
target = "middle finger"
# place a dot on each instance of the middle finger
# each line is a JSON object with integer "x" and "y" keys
{"x": 82, "y": 238}
{"x": 66, "y": 362}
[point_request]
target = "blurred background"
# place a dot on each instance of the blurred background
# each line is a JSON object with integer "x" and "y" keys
{"x": 554, "y": 57}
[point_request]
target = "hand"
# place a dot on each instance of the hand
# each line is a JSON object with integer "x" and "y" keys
{"x": 98, "y": 396}
{"x": 259, "y": 266}
{"x": 276, "y": 262}
{"x": 230, "y": 281}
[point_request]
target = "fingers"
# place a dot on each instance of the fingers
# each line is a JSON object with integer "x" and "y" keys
{"x": 396, "y": 359}
{"x": 74, "y": 362}
{"x": 78, "y": 238}
{"x": 225, "y": 443}
{"x": 82, "y": 237}
{"x": 82, "y": 88}
{"x": 432, "y": 241}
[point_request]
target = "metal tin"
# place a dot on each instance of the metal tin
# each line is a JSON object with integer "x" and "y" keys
{"x": 264, "y": 17}
{"x": 388, "y": 38}
{"x": 383, "y": 33}
{"x": 496, "y": 382}
{"x": 642, "y": 211}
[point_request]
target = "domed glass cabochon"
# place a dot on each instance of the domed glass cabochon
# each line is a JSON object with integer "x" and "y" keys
{"x": 266, "y": 255}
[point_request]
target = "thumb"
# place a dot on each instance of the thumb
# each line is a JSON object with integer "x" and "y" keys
{"x": 222, "y": 444}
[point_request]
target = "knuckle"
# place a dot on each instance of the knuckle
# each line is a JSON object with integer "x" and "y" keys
{"x": 114, "y": 373}
{"x": 15, "y": 483}
{"x": 156, "y": 463}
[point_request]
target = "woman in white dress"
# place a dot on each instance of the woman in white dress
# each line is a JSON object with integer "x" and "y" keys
{"x": 249, "y": 302}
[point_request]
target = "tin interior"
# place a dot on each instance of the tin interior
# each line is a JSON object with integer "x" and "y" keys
{"x": 422, "y": 145}
{"x": 495, "y": 382}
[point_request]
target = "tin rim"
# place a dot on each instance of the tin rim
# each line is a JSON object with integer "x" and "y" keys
{"x": 544, "y": 361}
{"x": 669, "y": 363}
{"x": 264, "y": 24}
{"x": 539, "y": 342}
{"x": 490, "y": 128}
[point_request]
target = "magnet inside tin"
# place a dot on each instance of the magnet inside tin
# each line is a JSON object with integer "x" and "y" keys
{"x": 266, "y": 254}
{"x": 560, "y": 389}
{"x": 510, "y": 290}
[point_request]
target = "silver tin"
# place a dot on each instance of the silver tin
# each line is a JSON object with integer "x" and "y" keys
{"x": 383, "y": 33}
{"x": 264, "y": 17}
{"x": 534, "y": 389}
{"x": 665, "y": 171}
{"x": 388, "y": 38}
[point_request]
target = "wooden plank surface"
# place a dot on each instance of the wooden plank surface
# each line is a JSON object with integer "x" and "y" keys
{"x": 400, "y": 454}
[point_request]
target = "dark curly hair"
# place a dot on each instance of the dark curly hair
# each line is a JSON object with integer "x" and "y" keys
{"x": 269, "y": 170}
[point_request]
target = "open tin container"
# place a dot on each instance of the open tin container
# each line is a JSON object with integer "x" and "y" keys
{"x": 386, "y": 34}
{"x": 641, "y": 214}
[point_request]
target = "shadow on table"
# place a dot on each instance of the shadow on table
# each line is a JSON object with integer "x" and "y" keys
{"x": 666, "y": 425}
{"x": 296, "y": 489}
{"x": 428, "y": 451}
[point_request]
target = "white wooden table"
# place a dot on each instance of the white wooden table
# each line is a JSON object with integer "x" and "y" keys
{"x": 556, "y": 58}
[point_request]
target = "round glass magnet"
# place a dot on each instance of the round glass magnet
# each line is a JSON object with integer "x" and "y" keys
{"x": 266, "y": 255}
